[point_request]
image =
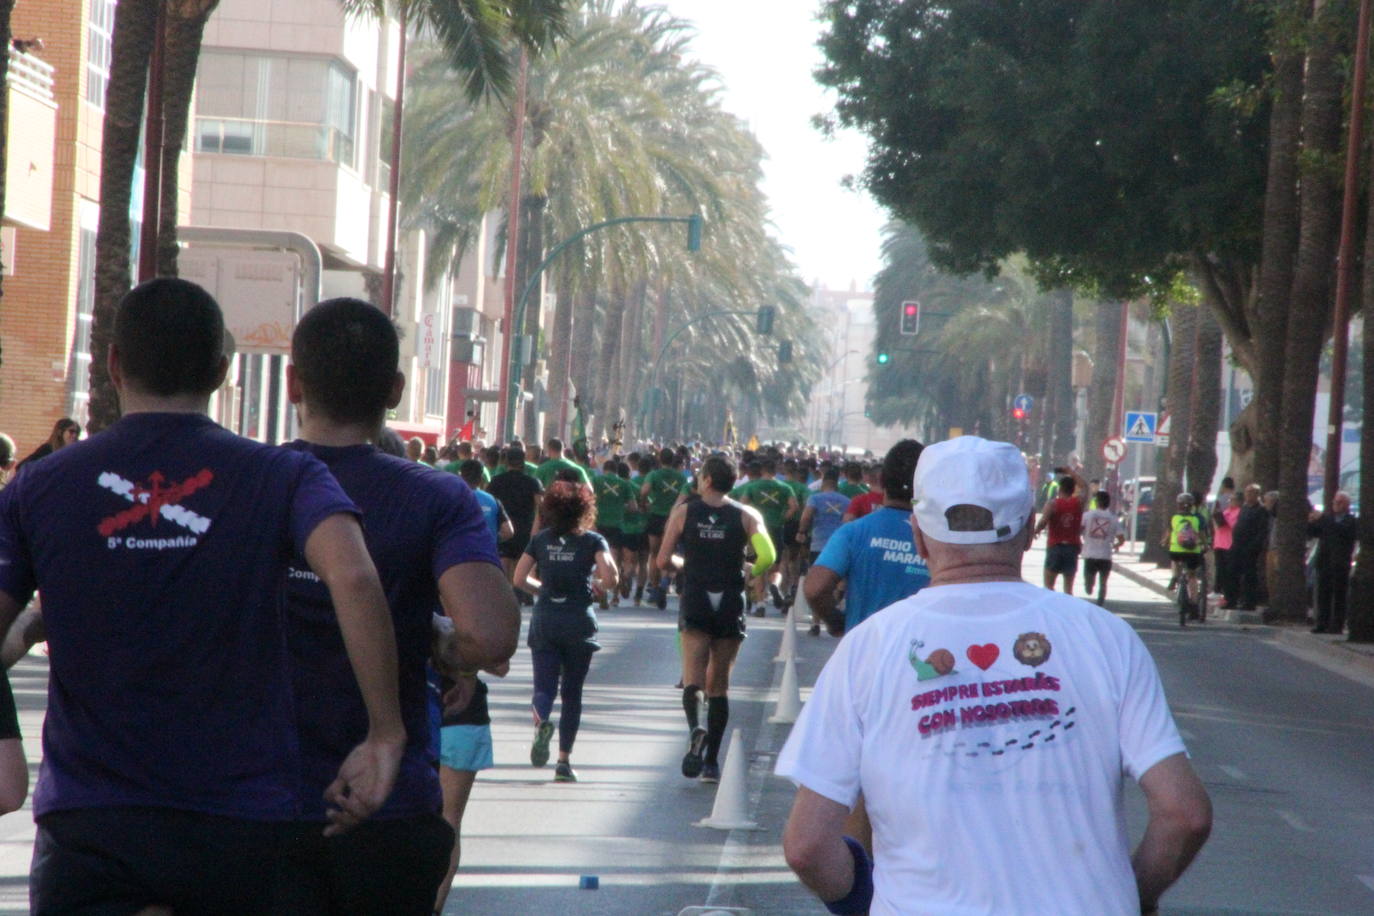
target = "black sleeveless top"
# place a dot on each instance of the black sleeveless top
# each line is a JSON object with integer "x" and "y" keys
{"x": 713, "y": 543}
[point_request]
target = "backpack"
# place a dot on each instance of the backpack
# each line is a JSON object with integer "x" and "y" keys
{"x": 1187, "y": 535}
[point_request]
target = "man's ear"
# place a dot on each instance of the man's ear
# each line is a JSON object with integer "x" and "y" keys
{"x": 113, "y": 367}
{"x": 922, "y": 550}
{"x": 398, "y": 387}
{"x": 294, "y": 393}
{"x": 222, "y": 372}
{"x": 1028, "y": 532}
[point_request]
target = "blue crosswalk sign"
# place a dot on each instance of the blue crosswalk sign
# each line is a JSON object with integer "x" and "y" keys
{"x": 1140, "y": 426}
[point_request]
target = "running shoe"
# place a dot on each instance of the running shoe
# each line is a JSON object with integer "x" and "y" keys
{"x": 710, "y": 772}
{"x": 692, "y": 760}
{"x": 564, "y": 772}
{"x": 661, "y": 597}
{"x": 777, "y": 596}
{"x": 539, "y": 750}
{"x": 815, "y": 629}
{"x": 605, "y": 601}
{"x": 759, "y": 611}
{"x": 639, "y": 595}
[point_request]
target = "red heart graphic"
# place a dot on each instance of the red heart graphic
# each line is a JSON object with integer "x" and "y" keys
{"x": 983, "y": 656}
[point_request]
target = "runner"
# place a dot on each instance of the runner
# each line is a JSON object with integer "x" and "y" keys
{"x": 428, "y": 537}
{"x": 1064, "y": 519}
{"x": 555, "y": 462}
{"x": 518, "y": 492}
{"x": 492, "y": 510}
{"x": 660, "y": 490}
{"x": 775, "y": 502}
{"x": 160, "y": 545}
{"x": 1102, "y": 535}
{"x": 613, "y": 492}
{"x": 874, "y": 556}
{"x": 824, "y": 512}
{"x": 860, "y": 506}
{"x": 572, "y": 562}
{"x": 795, "y": 565}
{"x": 635, "y": 543}
{"x": 853, "y": 483}
{"x": 714, "y": 532}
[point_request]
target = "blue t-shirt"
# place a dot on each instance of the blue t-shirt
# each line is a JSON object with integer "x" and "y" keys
{"x": 491, "y": 510}
{"x": 827, "y": 512}
{"x": 418, "y": 523}
{"x": 161, "y": 547}
{"x": 878, "y": 561}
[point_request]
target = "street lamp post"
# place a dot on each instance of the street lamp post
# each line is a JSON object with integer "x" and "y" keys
{"x": 693, "y": 222}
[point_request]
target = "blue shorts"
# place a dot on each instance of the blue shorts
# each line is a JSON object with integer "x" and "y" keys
{"x": 465, "y": 747}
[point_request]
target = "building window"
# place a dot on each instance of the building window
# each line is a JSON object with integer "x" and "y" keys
{"x": 434, "y": 386}
{"x": 276, "y": 105}
{"x": 100, "y": 38}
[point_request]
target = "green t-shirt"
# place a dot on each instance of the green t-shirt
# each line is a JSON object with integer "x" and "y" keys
{"x": 664, "y": 485}
{"x": 547, "y": 471}
{"x": 802, "y": 493}
{"x": 769, "y": 496}
{"x": 612, "y": 493}
{"x": 635, "y": 520}
{"x": 851, "y": 489}
{"x": 530, "y": 469}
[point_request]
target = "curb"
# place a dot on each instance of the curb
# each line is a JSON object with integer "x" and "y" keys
{"x": 1333, "y": 651}
{"x": 1228, "y": 615}
{"x": 1142, "y": 579}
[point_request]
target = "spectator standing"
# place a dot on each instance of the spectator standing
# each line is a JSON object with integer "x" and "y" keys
{"x": 1225, "y": 512}
{"x": 64, "y": 432}
{"x": 1337, "y": 532}
{"x": 894, "y": 719}
{"x": 1249, "y": 544}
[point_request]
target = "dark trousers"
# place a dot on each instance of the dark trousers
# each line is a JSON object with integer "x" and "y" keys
{"x": 1333, "y": 586}
{"x": 570, "y": 665}
{"x": 1225, "y": 578}
{"x": 1247, "y": 568}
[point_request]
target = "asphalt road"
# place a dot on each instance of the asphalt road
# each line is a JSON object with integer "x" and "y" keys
{"x": 1284, "y": 746}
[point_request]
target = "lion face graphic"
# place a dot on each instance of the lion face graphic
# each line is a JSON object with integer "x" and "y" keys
{"x": 1032, "y": 649}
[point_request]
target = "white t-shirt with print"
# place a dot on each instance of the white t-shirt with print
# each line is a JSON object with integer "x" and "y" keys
{"x": 988, "y": 727}
{"x": 1100, "y": 528}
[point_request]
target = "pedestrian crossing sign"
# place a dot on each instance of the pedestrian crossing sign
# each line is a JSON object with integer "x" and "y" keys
{"x": 1140, "y": 426}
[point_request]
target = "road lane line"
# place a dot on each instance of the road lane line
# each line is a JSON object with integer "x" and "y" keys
{"x": 1233, "y": 772}
{"x": 1185, "y": 734}
{"x": 1367, "y": 881}
{"x": 1292, "y": 820}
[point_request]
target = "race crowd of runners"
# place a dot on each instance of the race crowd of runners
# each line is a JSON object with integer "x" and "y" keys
{"x": 269, "y": 665}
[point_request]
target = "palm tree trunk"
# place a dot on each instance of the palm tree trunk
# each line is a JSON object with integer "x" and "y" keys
{"x": 1061, "y": 372}
{"x": 1360, "y": 615}
{"x": 1202, "y": 449}
{"x": 132, "y": 45}
{"x": 1170, "y": 479}
{"x": 631, "y": 353}
{"x": 1323, "y": 110}
{"x": 610, "y": 358}
{"x": 6, "y": 10}
{"x": 185, "y": 30}
{"x": 531, "y": 254}
{"x": 1280, "y": 241}
{"x": 560, "y": 352}
{"x": 1102, "y": 393}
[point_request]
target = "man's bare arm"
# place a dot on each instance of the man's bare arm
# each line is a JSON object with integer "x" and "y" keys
{"x": 26, "y": 632}
{"x": 672, "y": 531}
{"x": 1180, "y": 820}
{"x": 820, "y": 585}
{"x": 813, "y": 842}
{"x": 478, "y": 599}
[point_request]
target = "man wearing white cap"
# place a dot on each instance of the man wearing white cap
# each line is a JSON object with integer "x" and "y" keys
{"x": 987, "y": 723}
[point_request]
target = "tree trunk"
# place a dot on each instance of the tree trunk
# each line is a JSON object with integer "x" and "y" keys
{"x": 134, "y": 24}
{"x": 584, "y": 348}
{"x": 531, "y": 255}
{"x": 1102, "y": 394}
{"x": 185, "y": 29}
{"x": 560, "y": 353}
{"x": 1311, "y": 304}
{"x": 1280, "y": 240}
{"x": 610, "y": 358}
{"x": 1206, "y": 419}
{"x": 1065, "y": 418}
{"x": 632, "y": 355}
{"x": 1360, "y": 615}
{"x": 1170, "y": 478}
{"x": 6, "y": 9}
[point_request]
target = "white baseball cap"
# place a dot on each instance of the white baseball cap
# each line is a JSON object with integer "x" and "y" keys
{"x": 969, "y": 471}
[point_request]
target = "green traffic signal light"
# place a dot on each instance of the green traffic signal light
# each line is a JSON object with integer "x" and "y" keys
{"x": 884, "y": 359}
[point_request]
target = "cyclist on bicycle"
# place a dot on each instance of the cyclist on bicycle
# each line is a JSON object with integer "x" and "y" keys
{"x": 1186, "y": 540}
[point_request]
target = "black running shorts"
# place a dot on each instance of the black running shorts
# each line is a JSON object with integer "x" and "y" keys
{"x": 720, "y": 615}
{"x": 378, "y": 868}
{"x": 1093, "y": 567}
{"x": 615, "y": 538}
{"x": 789, "y": 532}
{"x": 513, "y": 547}
{"x": 1190, "y": 561}
{"x": 1062, "y": 558}
{"x": 656, "y": 525}
{"x": 115, "y": 861}
{"x": 636, "y": 542}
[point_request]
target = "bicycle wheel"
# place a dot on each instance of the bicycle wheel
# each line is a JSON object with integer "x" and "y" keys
{"x": 1183, "y": 601}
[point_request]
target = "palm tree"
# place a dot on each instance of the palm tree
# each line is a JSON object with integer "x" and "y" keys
{"x": 6, "y": 9}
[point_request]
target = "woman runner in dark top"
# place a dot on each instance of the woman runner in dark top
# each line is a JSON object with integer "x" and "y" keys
{"x": 572, "y": 560}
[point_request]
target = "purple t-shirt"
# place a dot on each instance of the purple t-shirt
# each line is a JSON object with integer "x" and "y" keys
{"x": 419, "y": 523}
{"x": 161, "y": 547}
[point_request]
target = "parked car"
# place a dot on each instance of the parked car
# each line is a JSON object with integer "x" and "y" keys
{"x": 1138, "y": 496}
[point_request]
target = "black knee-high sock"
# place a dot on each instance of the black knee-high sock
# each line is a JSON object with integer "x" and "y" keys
{"x": 717, "y": 717}
{"x": 691, "y": 699}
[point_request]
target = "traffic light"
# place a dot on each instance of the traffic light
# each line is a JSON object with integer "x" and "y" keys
{"x": 884, "y": 358}
{"x": 694, "y": 232}
{"x": 765, "y": 320}
{"x": 1018, "y": 414}
{"x": 785, "y": 352}
{"x": 911, "y": 318}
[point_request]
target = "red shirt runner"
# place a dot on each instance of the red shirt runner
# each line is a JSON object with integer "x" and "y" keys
{"x": 1066, "y": 521}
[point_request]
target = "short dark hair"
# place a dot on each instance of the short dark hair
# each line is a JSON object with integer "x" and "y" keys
{"x": 514, "y": 455}
{"x": 555, "y": 444}
{"x": 899, "y": 467}
{"x": 471, "y": 470}
{"x": 1228, "y": 483}
{"x": 346, "y": 352}
{"x": 170, "y": 337}
{"x": 831, "y": 475}
{"x": 1104, "y": 499}
{"x": 1067, "y": 486}
{"x": 719, "y": 472}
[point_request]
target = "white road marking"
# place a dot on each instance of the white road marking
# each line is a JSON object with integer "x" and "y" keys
{"x": 1185, "y": 734}
{"x": 1367, "y": 881}
{"x": 1233, "y": 772}
{"x": 1292, "y": 820}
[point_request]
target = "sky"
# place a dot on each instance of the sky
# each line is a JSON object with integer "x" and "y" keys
{"x": 765, "y": 52}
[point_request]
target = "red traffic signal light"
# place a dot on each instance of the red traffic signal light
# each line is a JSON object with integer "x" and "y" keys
{"x": 911, "y": 318}
{"x": 1018, "y": 414}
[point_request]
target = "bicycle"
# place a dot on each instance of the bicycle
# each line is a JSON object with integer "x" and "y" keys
{"x": 1187, "y": 607}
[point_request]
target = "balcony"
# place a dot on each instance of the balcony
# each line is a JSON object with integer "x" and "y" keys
{"x": 32, "y": 132}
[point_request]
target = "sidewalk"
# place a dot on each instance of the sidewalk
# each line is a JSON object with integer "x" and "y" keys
{"x": 1343, "y": 655}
